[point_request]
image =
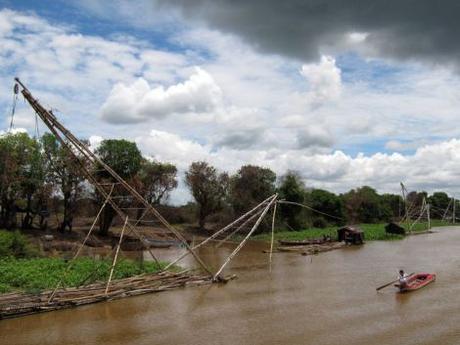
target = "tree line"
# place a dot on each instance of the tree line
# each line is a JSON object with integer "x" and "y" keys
{"x": 38, "y": 177}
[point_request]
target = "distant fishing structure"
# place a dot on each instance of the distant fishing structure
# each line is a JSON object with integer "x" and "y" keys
{"x": 413, "y": 212}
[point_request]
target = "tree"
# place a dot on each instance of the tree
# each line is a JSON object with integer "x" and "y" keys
{"x": 33, "y": 179}
{"x": 208, "y": 188}
{"x": 62, "y": 174}
{"x": 21, "y": 175}
{"x": 439, "y": 201}
{"x": 125, "y": 159}
{"x": 292, "y": 189}
{"x": 250, "y": 186}
{"x": 157, "y": 180}
{"x": 414, "y": 202}
{"x": 392, "y": 207}
{"x": 362, "y": 205}
{"x": 325, "y": 202}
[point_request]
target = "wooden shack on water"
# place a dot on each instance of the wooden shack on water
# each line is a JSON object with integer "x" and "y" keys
{"x": 350, "y": 235}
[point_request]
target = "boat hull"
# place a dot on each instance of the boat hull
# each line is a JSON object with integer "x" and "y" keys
{"x": 417, "y": 281}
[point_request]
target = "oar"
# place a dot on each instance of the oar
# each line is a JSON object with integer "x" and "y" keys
{"x": 394, "y": 281}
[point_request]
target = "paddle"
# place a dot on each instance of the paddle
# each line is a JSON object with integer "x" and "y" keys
{"x": 394, "y": 281}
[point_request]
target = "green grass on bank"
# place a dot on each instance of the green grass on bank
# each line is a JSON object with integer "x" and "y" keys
{"x": 36, "y": 274}
{"x": 22, "y": 268}
{"x": 372, "y": 232}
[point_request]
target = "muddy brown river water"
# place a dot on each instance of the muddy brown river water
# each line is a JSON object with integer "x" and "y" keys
{"x": 326, "y": 299}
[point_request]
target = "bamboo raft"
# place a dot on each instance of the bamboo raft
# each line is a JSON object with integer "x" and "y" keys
{"x": 21, "y": 304}
{"x": 313, "y": 248}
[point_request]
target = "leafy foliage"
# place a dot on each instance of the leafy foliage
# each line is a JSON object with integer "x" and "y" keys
{"x": 21, "y": 176}
{"x": 249, "y": 186}
{"x": 14, "y": 244}
{"x": 439, "y": 200}
{"x": 62, "y": 175}
{"x": 157, "y": 180}
{"x": 362, "y": 205}
{"x": 125, "y": 159}
{"x": 292, "y": 189}
{"x": 328, "y": 203}
{"x": 121, "y": 155}
{"x": 45, "y": 273}
{"x": 372, "y": 232}
{"x": 208, "y": 188}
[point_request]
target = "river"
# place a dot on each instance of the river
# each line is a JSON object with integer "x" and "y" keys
{"x": 325, "y": 299}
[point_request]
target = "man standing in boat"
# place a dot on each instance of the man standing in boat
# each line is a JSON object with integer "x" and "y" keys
{"x": 402, "y": 279}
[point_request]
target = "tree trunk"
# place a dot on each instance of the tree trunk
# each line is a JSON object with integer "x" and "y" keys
{"x": 68, "y": 216}
{"x": 202, "y": 219}
{"x": 106, "y": 220}
{"x": 28, "y": 219}
{"x": 10, "y": 216}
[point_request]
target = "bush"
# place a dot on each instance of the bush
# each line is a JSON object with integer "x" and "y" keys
{"x": 34, "y": 275}
{"x": 319, "y": 223}
{"x": 15, "y": 244}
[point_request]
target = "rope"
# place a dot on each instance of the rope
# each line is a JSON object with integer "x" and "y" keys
{"x": 308, "y": 207}
{"x": 13, "y": 108}
{"x": 37, "y": 132}
{"x": 273, "y": 236}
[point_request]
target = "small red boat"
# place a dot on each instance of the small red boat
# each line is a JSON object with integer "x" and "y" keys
{"x": 417, "y": 281}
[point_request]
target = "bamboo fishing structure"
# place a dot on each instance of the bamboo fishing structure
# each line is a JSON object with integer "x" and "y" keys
{"x": 115, "y": 191}
{"x": 412, "y": 211}
{"x": 82, "y": 154}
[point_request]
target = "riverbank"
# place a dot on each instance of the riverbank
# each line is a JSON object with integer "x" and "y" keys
{"x": 24, "y": 268}
{"x": 37, "y": 274}
{"x": 372, "y": 232}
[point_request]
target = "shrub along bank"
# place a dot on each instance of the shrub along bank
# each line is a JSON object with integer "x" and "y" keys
{"x": 22, "y": 269}
{"x": 372, "y": 232}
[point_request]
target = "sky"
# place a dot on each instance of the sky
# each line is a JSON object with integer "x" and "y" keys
{"x": 344, "y": 93}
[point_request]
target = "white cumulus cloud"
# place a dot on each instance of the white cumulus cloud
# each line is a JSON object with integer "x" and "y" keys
{"x": 324, "y": 79}
{"x": 139, "y": 102}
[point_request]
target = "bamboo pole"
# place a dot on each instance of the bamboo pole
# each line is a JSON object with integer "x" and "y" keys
{"x": 116, "y": 256}
{"x": 428, "y": 215}
{"x": 238, "y": 228}
{"x": 217, "y": 233}
{"x": 273, "y": 236}
{"x": 422, "y": 210}
{"x": 81, "y": 245}
{"x": 446, "y": 210}
{"x": 237, "y": 249}
{"x": 54, "y": 125}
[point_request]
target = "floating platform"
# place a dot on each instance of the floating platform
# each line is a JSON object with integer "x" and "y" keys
{"x": 20, "y": 304}
{"x": 312, "y": 248}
